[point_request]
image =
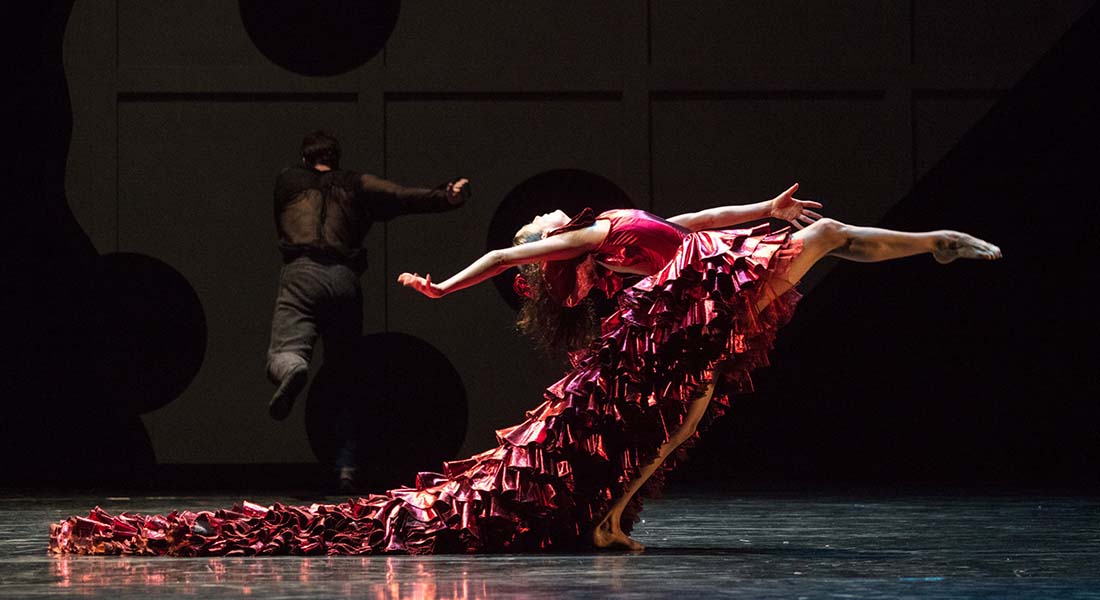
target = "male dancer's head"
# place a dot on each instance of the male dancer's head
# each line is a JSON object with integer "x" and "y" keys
{"x": 321, "y": 150}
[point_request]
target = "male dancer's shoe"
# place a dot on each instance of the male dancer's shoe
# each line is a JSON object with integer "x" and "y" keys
{"x": 287, "y": 392}
{"x": 348, "y": 480}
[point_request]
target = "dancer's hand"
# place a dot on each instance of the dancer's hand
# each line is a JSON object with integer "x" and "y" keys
{"x": 423, "y": 284}
{"x": 458, "y": 190}
{"x": 796, "y": 212}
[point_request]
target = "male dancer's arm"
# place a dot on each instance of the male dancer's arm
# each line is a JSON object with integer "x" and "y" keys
{"x": 389, "y": 199}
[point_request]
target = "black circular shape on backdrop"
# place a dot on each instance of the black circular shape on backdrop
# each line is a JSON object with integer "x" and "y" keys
{"x": 66, "y": 447}
{"x": 152, "y": 331}
{"x": 570, "y": 190}
{"x": 123, "y": 452}
{"x": 399, "y": 399}
{"x": 319, "y": 37}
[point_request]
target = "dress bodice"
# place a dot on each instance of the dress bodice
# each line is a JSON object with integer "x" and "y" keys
{"x": 637, "y": 242}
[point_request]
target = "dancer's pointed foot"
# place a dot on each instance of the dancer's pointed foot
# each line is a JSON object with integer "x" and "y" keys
{"x": 287, "y": 392}
{"x": 606, "y": 537}
{"x": 953, "y": 244}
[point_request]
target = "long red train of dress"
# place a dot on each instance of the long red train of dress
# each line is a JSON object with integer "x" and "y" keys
{"x": 553, "y": 476}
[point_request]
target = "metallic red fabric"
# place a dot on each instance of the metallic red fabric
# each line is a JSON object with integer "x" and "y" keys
{"x": 636, "y": 240}
{"x": 553, "y": 476}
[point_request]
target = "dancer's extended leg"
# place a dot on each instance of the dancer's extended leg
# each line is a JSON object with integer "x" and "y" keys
{"x": 608, "y": 532}
{"x": 828, "y": 237}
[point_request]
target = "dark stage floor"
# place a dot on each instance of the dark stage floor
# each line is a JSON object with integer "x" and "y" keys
{"x": 700, "y": 544}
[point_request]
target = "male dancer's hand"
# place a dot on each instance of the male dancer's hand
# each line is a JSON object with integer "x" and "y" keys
{"x": 459, "y": 190}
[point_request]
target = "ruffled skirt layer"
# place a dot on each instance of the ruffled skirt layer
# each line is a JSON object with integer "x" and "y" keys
{"x": 554, "y": 476}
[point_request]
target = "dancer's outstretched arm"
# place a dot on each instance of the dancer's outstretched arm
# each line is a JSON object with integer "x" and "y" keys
{"x": 784, "y": 206}
{"x": 559, "y": 247}
{"x": 388, "y": 199}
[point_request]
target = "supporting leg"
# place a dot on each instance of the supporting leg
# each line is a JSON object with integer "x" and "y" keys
{"x": 608, "y": 533}
{"x": 341, "y": 326}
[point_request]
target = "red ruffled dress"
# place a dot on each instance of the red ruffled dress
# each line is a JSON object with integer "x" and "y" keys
{"x": 553, "y": 476}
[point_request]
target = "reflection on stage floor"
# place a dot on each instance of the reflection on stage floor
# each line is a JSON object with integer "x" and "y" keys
{"x": 700, "y": 544}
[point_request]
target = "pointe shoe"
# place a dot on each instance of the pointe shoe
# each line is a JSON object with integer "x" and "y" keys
{"x": 954, "y": 245}
{"x": 287, "y": 392}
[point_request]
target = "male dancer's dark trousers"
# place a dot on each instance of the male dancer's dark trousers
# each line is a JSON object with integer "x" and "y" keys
{"x": 316, "y": 299}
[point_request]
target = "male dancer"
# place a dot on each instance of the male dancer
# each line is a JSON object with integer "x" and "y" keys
{"x": 322, "y": 215}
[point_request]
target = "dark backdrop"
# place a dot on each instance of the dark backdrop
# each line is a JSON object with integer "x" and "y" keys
{"x": 145, "y": 266}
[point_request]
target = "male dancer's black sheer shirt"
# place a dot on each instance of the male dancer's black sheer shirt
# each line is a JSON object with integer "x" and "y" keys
{"x": 326, "y": 214}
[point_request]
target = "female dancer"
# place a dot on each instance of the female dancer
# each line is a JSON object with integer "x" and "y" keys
{"x": 710, "y": 297}
{"x": 683, "y": 338}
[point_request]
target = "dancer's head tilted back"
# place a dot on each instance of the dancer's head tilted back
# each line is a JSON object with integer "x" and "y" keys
{"x": 552, "y": 325}
{"x": 540, "y": 226}
{"x": 321, "y": 148}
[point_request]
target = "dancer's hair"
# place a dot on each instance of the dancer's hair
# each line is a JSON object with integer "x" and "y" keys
{"x": 321, "y": 148}
{"x": 553, "y": 326}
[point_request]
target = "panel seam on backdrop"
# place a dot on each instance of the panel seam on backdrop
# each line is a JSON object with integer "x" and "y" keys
{"x": 648, "y": 35}
{"x": 912, "y": 137}
{"x": 649, "y": 147}
{"x": 238, "y": 96}
{"x": 878, "y": 93}
{"x": 385, "y": 232}
{"x": 118, "y": 178}
{"x": 504, "y": 96}
{"x": 912, "y": 33}
{"x": 649, "y": 102}
{"x": 118, "y": 136}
